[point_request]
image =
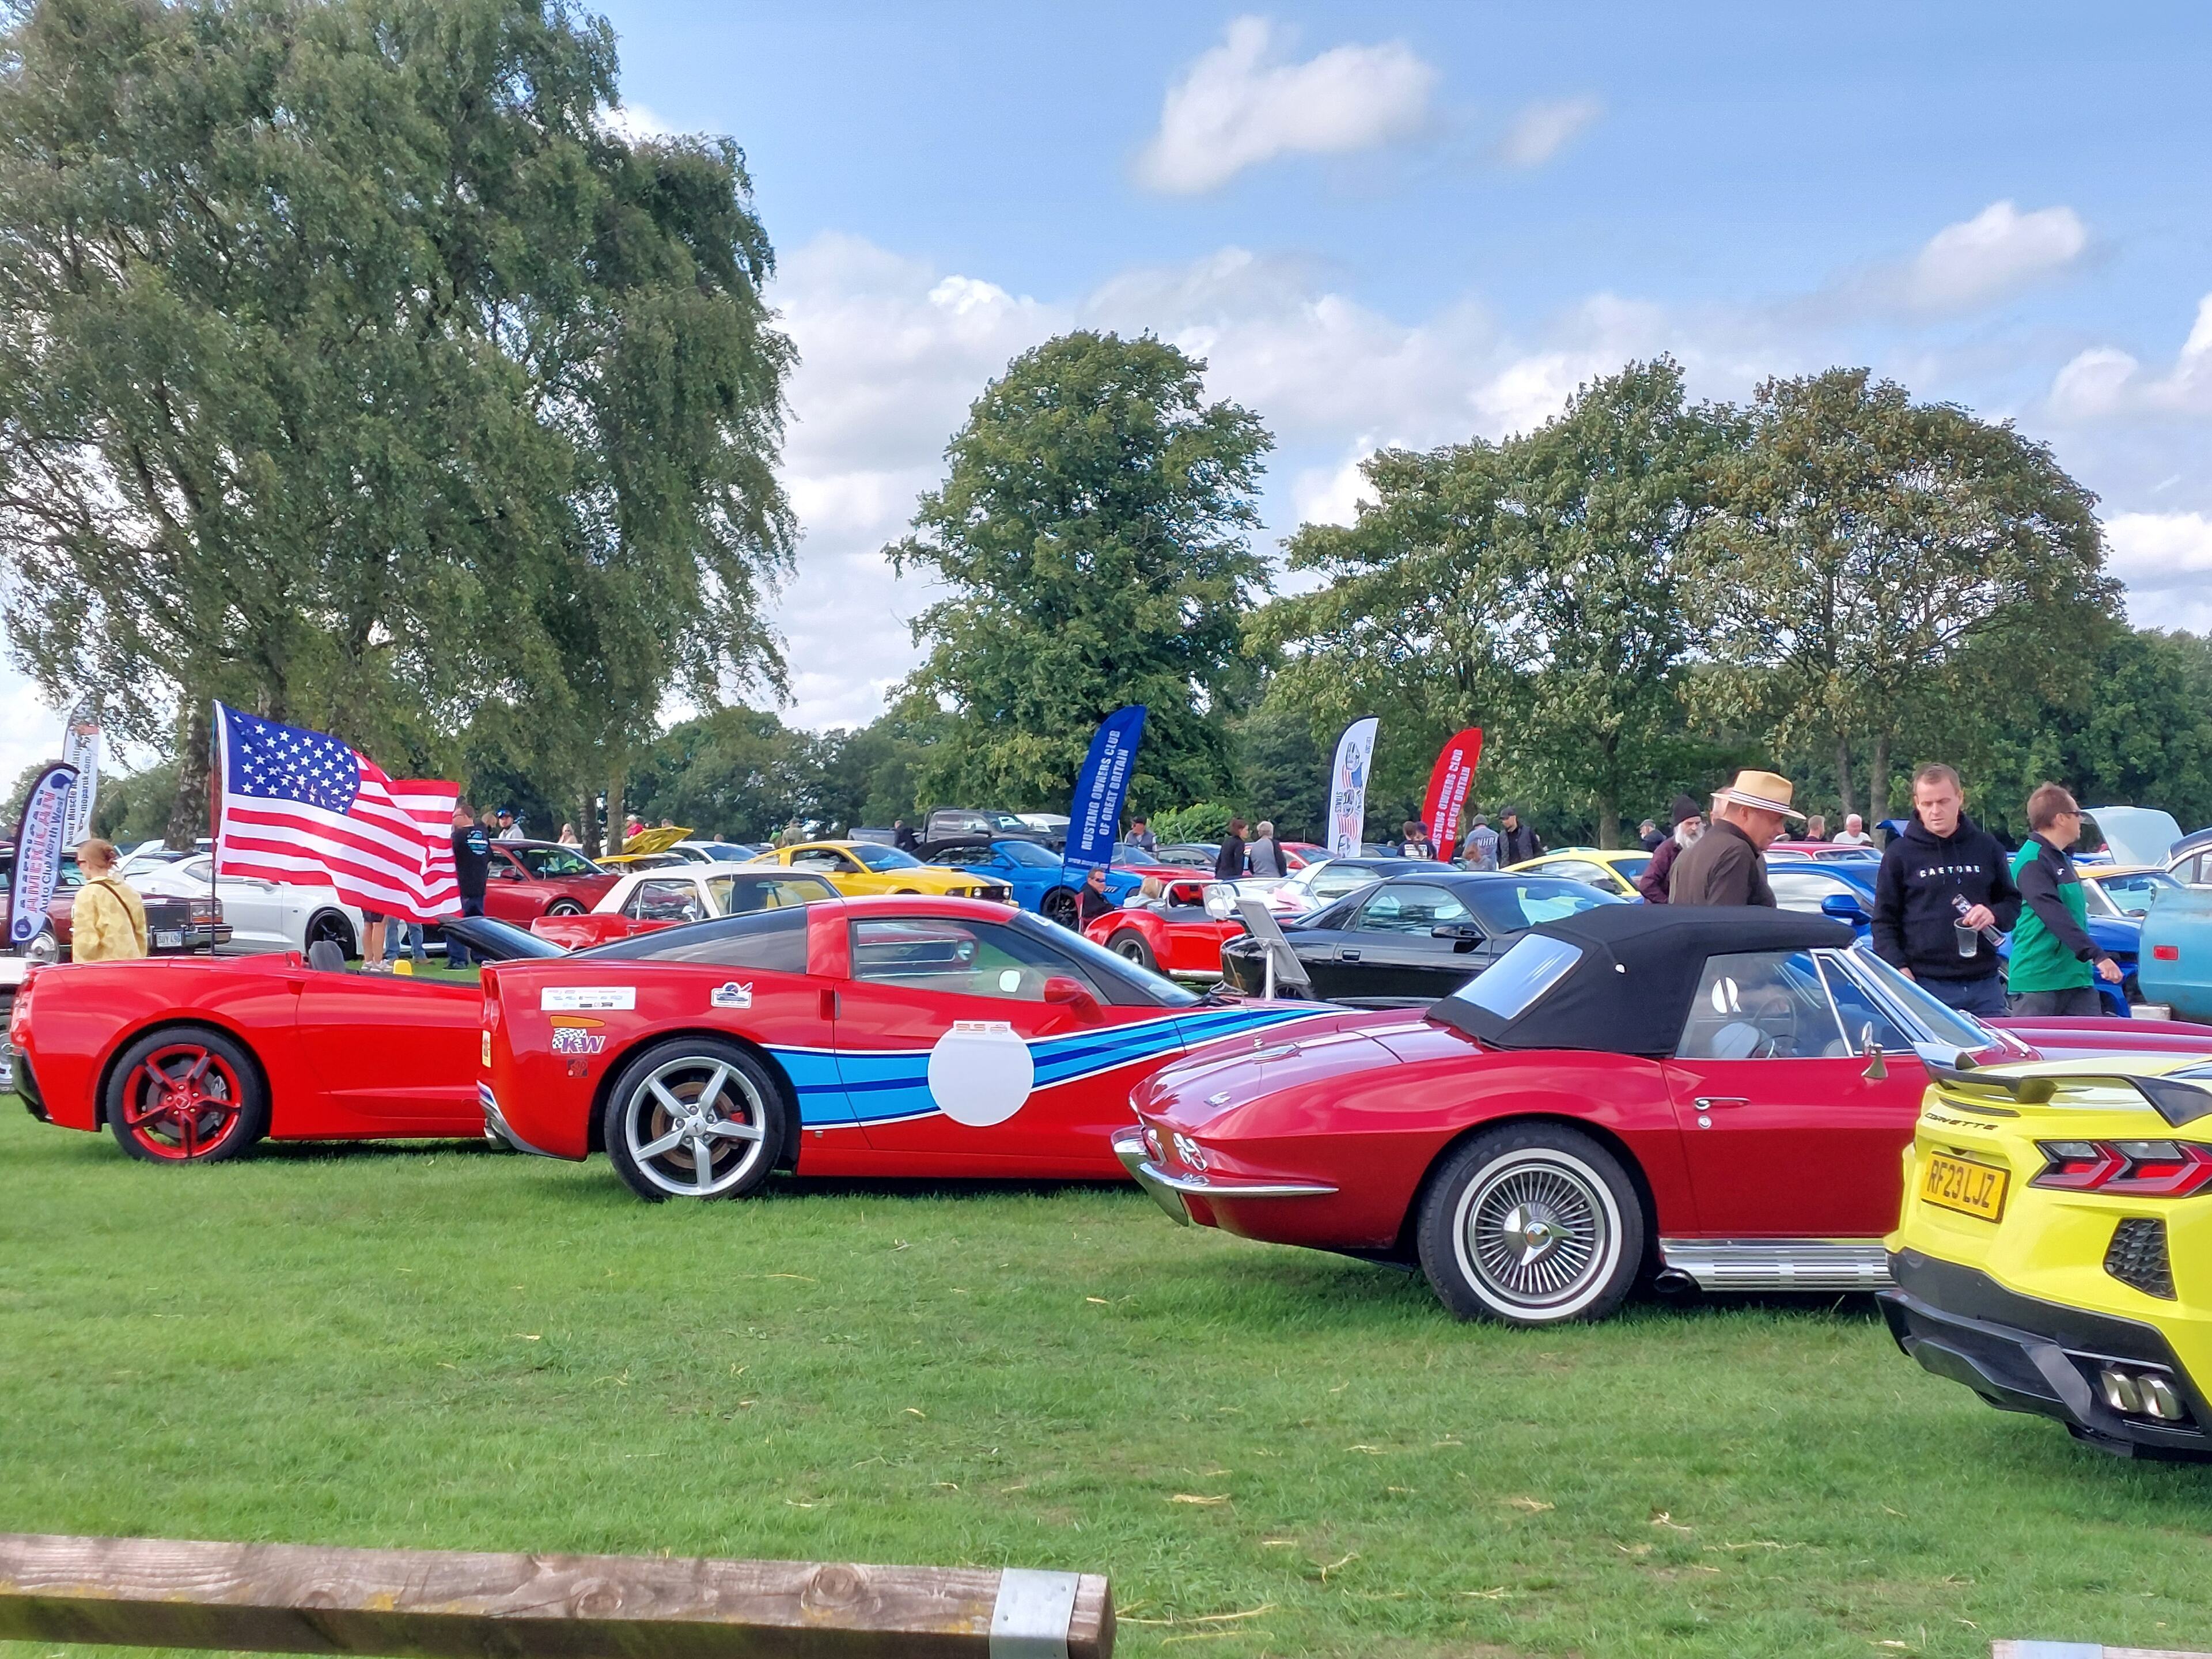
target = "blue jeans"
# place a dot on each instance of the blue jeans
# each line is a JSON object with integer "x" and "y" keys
{"x": 458, "y": 955}
{"x": 393, "y": 929}
{"x": 1984, "y": 998}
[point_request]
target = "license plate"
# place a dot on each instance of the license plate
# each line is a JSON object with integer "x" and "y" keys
{"x": 1969, "y": 1189}
{"x": 169, "y": 938}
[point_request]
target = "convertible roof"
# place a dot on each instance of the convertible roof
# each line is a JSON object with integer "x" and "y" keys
{"x": 1630, "y": 991}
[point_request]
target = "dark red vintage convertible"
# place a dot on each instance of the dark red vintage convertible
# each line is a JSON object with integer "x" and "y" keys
{"x": 1721, "y": 1096}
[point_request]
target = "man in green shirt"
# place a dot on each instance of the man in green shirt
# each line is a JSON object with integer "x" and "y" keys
{"x": 2051, "y": 971}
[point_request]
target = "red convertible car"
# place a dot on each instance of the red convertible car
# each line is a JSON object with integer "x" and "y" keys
{"x": 1721, "y": 1096}
{"x": 193, "y": 1059}
{"x": 1179, "y": 936}
{"x": 532, "y": 879}
{"x": 904, "y": 1035}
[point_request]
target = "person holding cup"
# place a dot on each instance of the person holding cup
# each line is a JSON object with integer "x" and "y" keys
{"x": 1944, "y": 898}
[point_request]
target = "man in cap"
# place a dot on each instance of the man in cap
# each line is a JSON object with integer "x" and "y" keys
{"x": 1517, "y": 842}
{"x": 1478, "y": 848}
{"x": 1727, "y": 864}
{"x": 508, "y": 829}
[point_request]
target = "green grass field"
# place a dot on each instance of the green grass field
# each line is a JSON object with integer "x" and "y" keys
{"x": 1270, "y": 1452}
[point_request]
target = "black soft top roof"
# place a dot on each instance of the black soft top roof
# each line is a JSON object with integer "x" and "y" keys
{"x": 1630, "y": 991}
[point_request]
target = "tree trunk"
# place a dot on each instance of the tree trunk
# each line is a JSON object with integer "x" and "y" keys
{"x": 587, "y": 819}
{"x": 1608, "y": 822}
{"x": 1844, "y": 787}
{"x": 1878, "y": 782}
{"x": 614, "y": 842}
{"x": 189, "y": 808}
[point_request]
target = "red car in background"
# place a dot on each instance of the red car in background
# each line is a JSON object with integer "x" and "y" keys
{"x": 1177, "y": 937}
{"x": 898, "y": 1036}
{"x": 1720, "y": 1096}
{"x": 193, "y": 1059}
{"x": 532, "y": 879}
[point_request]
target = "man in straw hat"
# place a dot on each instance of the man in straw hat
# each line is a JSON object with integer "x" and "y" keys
{"x": 1727, "y": 864}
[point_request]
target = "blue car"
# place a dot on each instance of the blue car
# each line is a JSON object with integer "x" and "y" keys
{"x": 1040, "y": 882}
{"x": 2177, "y": 968}
{"x": 1845, "y": 892}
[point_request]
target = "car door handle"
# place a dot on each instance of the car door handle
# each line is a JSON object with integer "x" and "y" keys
{"x": 1347, "y": 953}
{"x": 1716, "y": 1102}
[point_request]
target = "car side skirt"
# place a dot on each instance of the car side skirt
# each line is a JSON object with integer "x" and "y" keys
{"x": 1778, "y": 1264}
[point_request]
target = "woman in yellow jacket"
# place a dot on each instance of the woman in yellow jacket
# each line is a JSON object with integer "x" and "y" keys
{"x": 107, "y": 921}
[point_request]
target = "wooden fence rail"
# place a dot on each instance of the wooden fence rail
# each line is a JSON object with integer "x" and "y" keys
{"x": 2082, "y": 1651}
{"x": 435, "y": 1604}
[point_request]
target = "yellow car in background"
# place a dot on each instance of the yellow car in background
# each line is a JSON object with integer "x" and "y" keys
{"x": 2054, "y": 1250}
{"x": 1613, "y": 871}
{"x": 858, "y": 868}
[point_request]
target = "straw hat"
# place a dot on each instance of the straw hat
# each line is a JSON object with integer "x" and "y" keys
{"x": 1766, "y": 792}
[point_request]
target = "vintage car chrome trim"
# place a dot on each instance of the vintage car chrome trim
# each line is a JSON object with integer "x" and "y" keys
{"x": 1167, "y": 1190}
{"x": 1778, "y": 1264}
{"x": 499, "y": 1133}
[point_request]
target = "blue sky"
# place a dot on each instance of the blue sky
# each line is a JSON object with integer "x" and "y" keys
{"x": 1411, "y": 223}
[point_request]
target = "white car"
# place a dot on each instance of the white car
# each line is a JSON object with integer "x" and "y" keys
{"x": 264, "y": 915}
{"x": 671, "y": 895}
{"x": 1306, "y": 890}
{"x": 714, "y": 852}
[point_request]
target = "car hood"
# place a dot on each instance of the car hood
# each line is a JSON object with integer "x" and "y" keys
{"x": 1220, "y": 1077}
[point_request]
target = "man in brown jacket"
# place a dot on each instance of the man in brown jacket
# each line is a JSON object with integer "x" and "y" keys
{"x": 107, "y": 919}
{"x": 1727, "y": 864}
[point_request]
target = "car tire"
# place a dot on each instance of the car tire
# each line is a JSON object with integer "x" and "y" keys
{"x": 1129, "y": 943}
{"x": 1060, "y": 905}
{"x": 329, "y": 925}
{"x": 657, "y": 1152}
{"x": 564, "y": 907}
{"x": 1532, "y": 1223}
{"x": 212, "y": 1106}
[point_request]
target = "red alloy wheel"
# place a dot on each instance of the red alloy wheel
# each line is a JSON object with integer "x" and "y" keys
{"x": 181, "y": 1102}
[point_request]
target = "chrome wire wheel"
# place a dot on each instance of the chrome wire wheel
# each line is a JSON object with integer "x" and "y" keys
{"x": 1538, "y": 1235}
{"x": 695, "y": 1125}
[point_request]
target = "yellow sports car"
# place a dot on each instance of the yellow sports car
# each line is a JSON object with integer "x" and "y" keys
{"x": 855, "y": 868}
{"x": 1611, "y": 871}
{"x": 2055, "y": 1251}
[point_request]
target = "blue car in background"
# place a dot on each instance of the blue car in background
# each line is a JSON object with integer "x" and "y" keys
{"x": 2177, "y": 965}
{"x": 1845, "y": 892}
{"x": 1040, "y": 882}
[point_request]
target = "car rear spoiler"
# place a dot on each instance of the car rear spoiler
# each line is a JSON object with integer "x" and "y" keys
{"x": 2177, "y": 1102}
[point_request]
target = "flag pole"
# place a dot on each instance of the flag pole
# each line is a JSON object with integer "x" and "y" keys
{"x": 214, "y": 820}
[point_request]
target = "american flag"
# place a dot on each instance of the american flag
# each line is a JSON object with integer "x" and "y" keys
{"x": 300, "y": 807}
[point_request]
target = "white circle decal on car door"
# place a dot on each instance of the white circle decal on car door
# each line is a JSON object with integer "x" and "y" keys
{"x": 980, "y": 1072}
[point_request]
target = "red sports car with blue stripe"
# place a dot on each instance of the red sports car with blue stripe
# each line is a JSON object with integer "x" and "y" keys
{"x": 906, "y": 1036}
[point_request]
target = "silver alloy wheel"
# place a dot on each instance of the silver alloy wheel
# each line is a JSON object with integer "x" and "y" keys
{"x": 1537, "y": 1234}
{"x": 1132, "y": 949}
{"x": 694, "y": 1127}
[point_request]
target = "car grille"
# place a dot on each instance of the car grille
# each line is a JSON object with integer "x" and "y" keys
{"x": 2137, "y": 1257}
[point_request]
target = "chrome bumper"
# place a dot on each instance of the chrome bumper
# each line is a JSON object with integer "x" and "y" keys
{"x": 497, "y": 1129}
{"x": 1167, "y": 1190}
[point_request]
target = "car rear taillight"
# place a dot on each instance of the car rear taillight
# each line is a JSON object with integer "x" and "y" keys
{"x": 2125, "y": 1168}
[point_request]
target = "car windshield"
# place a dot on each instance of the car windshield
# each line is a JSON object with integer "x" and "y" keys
{"x": 1102, "y": 963}
{"x": 2130, "y": 896}
{"x": 736, "y": 895}
{"x": 1026, "y": 852}
{"x": 554, "y": 863}
{"x": 883, "y": 858}
{"x": 1512, "y": 985}
{"x": 1507, "y": 907}
{"x": 1944, "y": 1024}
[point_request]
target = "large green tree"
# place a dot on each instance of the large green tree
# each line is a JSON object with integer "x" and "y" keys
{"x": 1877, "y": 564}
{"x": 354, "y": 368}
{"x": 1535, "y": 587}
{"x": 1093, "y": 536}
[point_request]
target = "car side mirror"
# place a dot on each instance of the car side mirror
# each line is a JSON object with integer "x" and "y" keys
{"x": 1877, "y": 1069}
{"x": 1069, "y": 993}
{"x": 1844, "y": 907}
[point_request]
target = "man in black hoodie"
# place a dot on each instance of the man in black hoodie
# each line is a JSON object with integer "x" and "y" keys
{"x": 1943, "y": 874}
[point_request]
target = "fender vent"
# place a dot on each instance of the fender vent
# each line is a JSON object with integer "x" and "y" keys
{"x": 2137, "y": 1257}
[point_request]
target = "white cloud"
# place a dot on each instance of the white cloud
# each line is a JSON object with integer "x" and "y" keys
{"x": 2166, "y": 560}
{"x": 636, "y": 122}
{"x": 1540, "y": 132}
{"x": 2105, "y": 381}
{"x": 892, "y": 354}
{"x": 1997, "y": 250}
{"x": 1240, "y": 104}
{"x": 1323, "y": 495}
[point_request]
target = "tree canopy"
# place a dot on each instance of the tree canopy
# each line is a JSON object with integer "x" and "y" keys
{"x": 356, "y": 369}
{"x": 1093, "y": 538}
